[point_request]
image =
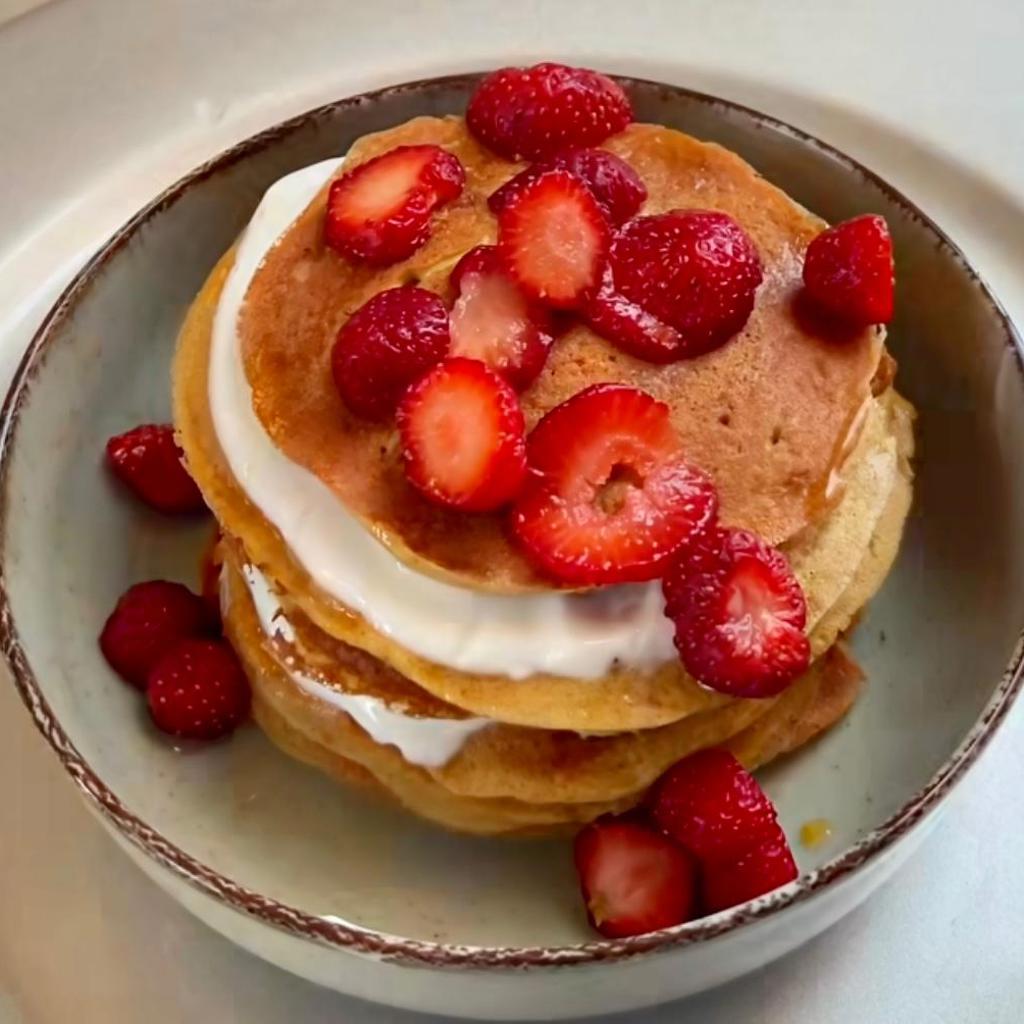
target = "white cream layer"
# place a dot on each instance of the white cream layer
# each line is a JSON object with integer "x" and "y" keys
{"x": 516, "y": 635}
{"x": 430, "y": 742}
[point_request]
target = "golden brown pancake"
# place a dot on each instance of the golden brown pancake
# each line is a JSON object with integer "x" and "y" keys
{"x": 769, "y": 415}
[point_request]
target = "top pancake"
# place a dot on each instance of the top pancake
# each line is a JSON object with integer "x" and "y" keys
{"x": 769, "y": 415}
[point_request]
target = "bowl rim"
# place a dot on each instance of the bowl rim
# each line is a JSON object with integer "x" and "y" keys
{"x": 334, "y": 932}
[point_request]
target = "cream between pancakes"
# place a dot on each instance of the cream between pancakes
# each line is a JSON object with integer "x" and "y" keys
{"x": 429, "y": 742}
{"x": 577, "y": 636}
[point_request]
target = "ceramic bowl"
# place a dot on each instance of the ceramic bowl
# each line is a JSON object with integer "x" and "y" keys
{"x": 363, "y": 898}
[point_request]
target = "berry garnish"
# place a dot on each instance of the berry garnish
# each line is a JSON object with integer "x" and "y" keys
{"x": 553, "y": 238}
{"x": 379, "y": 213}
{"x": 149, "y": 461}
{"x": 198, "y": 690}
{"x": 613, "y": 183}
{"x": 492, "y": 319}
{"x": 463, "y": 436}
{"x": 633, "y": 879}
{"x": 385, "y": 345}
{"x": 531, "y": 113}
{"x": 756, "y": 871}
{"x": 848, "y": 271}
{"x": 148, "y": 620}
{"x": 609, "y": 497}
{"x": 677, "y": 285}
{"x": 740, "y": 619}
{"x": 711, "y": 805}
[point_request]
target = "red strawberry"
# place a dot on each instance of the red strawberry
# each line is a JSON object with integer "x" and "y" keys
{"x": 613, "y": 183}
{"x": 463, "y": 436}
{"x": 740, "y": 621}
{"x": 609, "y": 497}
{"x": 148, "y": 620}
{"x": 493, "y": 320}
{"x": 379, "y": 213}
{"x": 848, "y": 270}
{"x": 553, "y": 238}
{"x": 531, "y": 113}
{"x": 148, "y": 460}
{"x": 198, "y": 690}
{"x": 677, "y": 285}
{"x": 385, "y": 345}
{"x": 699, "y": 555}
{"x": 712, "y": 806}
{"x": 633, "y": 879}
{"x": 756, "y": 871}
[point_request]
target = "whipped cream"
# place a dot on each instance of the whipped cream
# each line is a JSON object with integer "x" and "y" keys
{"x": 576, "y": 636}
{"x": 429, "y": 742}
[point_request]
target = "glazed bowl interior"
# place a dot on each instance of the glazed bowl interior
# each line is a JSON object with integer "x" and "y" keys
{"x": 935, "y": 644}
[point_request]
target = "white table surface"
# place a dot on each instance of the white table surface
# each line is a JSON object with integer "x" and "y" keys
{"x": 104, "y": 102}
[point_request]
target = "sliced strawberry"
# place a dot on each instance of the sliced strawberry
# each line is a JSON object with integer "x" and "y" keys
{"x": 385, "y": 345}
{"x": 609, "y": 497}
{"x": 531, "y": 113}
{"x": 676, "y": 285}
{"x": 148, "y": 460}
{"x": 463, "y": 437}
{"x": 633, "y": 879}
{"x": 848, "y": 270}
{"x": 711, "y": 805}
{"x": 756, "y": 871}
{"x": 553, "y": 238}
{"x": 148, "y": 620}
{"x": 198, "y": 690}
{"x": 740, "y": 621}
{"x": 493, "y": 320}
{"x": 614, "y": 184}
{"x": 379, "y": 213}
{"x": 700, "y": 554}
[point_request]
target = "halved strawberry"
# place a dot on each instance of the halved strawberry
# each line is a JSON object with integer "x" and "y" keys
{"x": 756, "y": 871}
{"x": 609, "y": 497}
{"x": 553, "y": 238}
{"x": 614, "y": 184}
{"x": 493, "y": 320}
{"x": 463, "y": 436}
{"x": 848, "y": 270}
{"x": 379, "y": 213}
{"x": 530, "y": 113}
{"x": 676, "y": 285}
{"x": 740, "y": 620}
{"x": 633, "y": 879}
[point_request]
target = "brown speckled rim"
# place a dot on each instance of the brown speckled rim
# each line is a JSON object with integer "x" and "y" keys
{"x": 330, "y": 931}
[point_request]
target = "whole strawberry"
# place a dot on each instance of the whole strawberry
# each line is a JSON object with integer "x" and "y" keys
{"x": 531, "y": 113}
{"x": 198, "y": 690}
{"x": 848, "y": 271}
{"x": 148, "y": 460}
{"x": 148, "y": 620}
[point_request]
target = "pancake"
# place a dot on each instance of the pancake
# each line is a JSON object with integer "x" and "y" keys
{"x": 509, "y": 779}
{"x": 622, "y": 700}
{"x": 769, "y": 416}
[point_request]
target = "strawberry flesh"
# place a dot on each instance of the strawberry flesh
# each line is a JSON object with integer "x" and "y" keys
{"x": 492, "y": 319}
{"x": 740, "y": 619}
{"x": 531, "y": 113}
{"x": 148, "y": 461}
{"x": 633, "y": 880}
{"x": 609, "y": 497}
{"x": 613, "y": 183}
{"x": 385, "y": 345}
{"x": 380, "y": 212}
{"x": 553, "y": 238}
{"x": 198, "y": 690}
{"x": 848, "y": 271}
{"x": 676, "y": 285}
{"x": 463, "y": 437}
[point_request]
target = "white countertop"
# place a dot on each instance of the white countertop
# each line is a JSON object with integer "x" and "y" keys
{"x": 102, "y": 103}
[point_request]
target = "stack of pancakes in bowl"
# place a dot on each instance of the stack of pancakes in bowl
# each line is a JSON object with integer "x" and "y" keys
{"x": 414, "y": 649}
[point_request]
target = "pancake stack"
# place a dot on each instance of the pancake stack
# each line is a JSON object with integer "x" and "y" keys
{"x": 804, "y": 436}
